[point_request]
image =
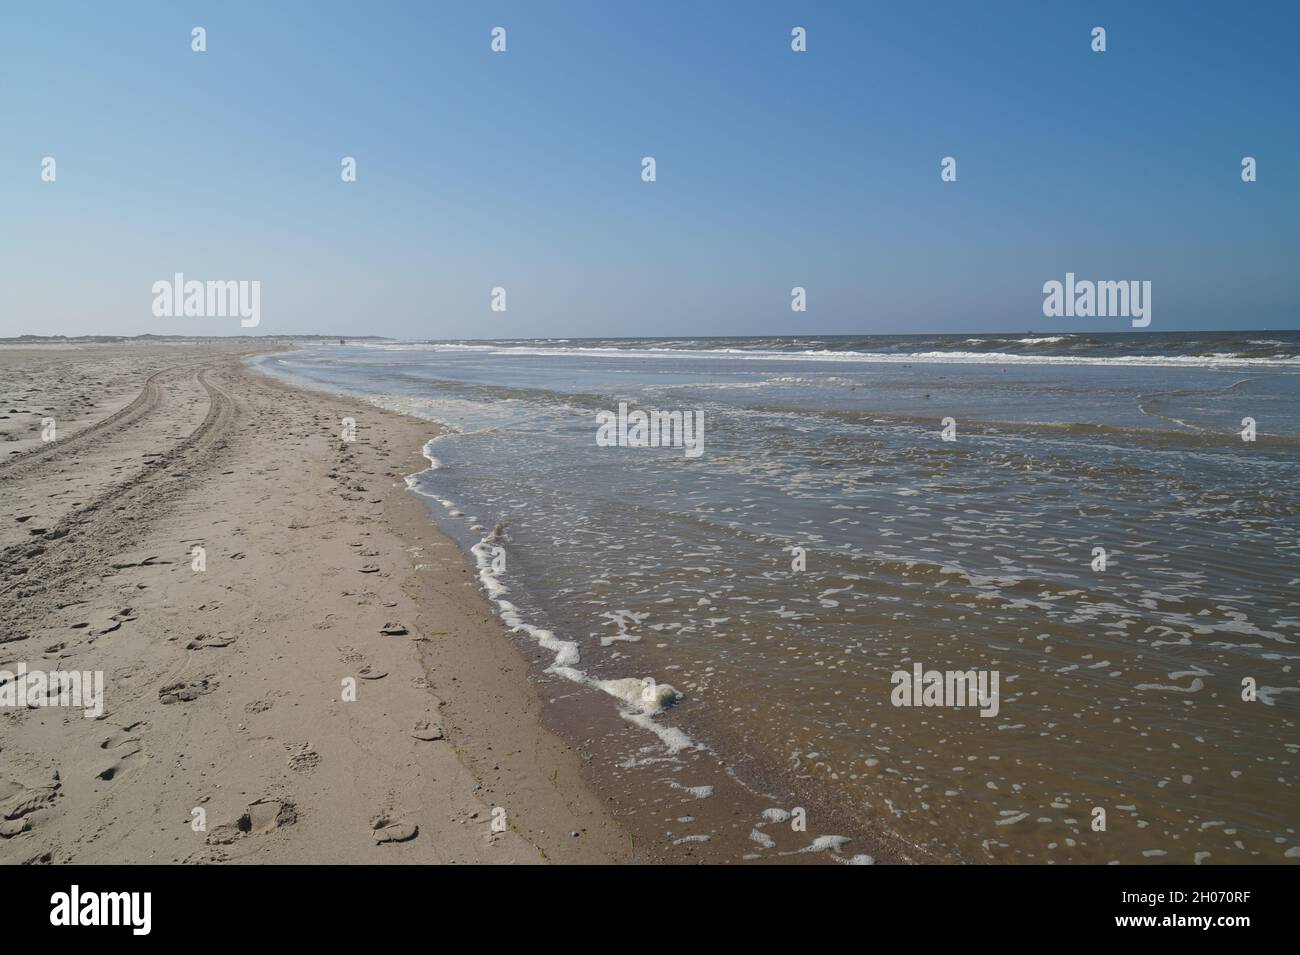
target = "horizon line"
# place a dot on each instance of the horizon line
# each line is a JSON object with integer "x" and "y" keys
{"x": 387, "y": 338}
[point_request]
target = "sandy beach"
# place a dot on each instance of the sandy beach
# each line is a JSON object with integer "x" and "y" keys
{"x": 298, "y": 667}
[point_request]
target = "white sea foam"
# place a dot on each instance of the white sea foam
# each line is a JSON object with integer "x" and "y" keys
{"x": 640, "y": 700}
{"x": 1223, "y": 359}
{"x": 833, "y": 844}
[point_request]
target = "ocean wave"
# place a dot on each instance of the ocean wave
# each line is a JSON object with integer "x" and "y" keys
{"x": 1218, "y": 359}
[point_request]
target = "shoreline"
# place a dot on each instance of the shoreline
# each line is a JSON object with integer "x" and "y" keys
{"x": 689, "y": 806}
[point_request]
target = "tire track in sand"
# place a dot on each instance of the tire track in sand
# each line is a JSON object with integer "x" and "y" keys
{"x": 34, "y": 575}
{"x": 147, "y": 401}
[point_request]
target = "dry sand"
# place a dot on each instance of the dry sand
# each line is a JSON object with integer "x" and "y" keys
{"x": 224, "y": 687}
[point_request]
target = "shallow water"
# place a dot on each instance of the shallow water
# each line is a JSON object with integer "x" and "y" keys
{"x": 1119, "y": 688}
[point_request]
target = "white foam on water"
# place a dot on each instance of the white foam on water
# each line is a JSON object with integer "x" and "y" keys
{"x": 685, "y": 839}
{"x": 640, "y": 699}
{"x": 834, "y": 844}
{"x": 699, "y": 792}
{"x": 889, "y": 358}
{"x": 1266, "y": 694}
{"x": 413, "y": 482}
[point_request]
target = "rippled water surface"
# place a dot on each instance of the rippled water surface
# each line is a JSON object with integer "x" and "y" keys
{"x": 1119, "y": 688}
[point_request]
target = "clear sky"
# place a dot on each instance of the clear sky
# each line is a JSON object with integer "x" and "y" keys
{"x": 523, "y": 169}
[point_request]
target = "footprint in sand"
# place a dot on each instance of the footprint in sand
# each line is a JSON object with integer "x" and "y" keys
{"x": 127, "y": 755}
{"x": 207, "y": 641}
{"x": 390, "y": 830}
{"x": 137, "y": 560}
{"x": 427, "y": 731}
{"x": 185, "y": 692}
{"x": 302, "y": 758}
{"x": 261, "y": 817}
{"x": 100, "y": 622}
{"x": 123, "y": 734}
{"x": 17, "y": 802}
{"x": 122, "y": 747}
{"x": 14, "y": 827}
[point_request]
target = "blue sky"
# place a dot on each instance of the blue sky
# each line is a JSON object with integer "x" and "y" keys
{"x": 522, "y": 169}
